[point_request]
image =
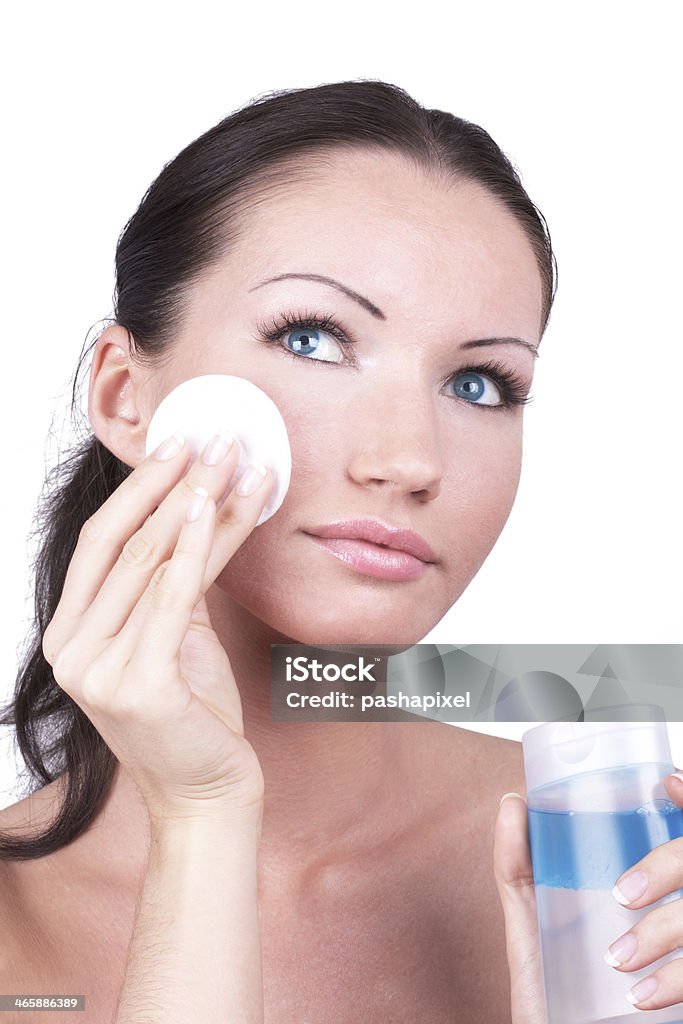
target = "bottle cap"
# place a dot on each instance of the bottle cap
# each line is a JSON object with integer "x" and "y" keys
{"x": 213, "y": 403}
{"x": 558, "y": 750}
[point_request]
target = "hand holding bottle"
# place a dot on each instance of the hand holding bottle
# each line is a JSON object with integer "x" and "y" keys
{"x": 653, "y": 936}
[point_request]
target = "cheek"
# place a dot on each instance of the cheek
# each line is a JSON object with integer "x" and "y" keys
{"x": 476, "y": 498}
{"x": 492, "y": 474}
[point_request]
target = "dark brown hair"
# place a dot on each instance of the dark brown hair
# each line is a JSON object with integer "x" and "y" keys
{"x": 188, "y": 218}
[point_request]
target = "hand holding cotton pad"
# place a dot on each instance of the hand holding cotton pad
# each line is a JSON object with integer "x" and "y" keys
{"x": 203, "y": 406}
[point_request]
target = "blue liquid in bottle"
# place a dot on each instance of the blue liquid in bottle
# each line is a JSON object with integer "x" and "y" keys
{"x": 577, "y": 857}
{"x": 591, "y": 849}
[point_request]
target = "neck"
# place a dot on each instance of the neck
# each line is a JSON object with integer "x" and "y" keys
{"x": 331, "y": 788}
{"x": 326, "y": 783}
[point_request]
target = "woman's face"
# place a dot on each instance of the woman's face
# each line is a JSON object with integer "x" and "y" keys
{"x": 387, "y": 426}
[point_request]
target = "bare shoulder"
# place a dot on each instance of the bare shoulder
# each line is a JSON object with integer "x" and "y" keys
{"x": 466, "y": 760}
{"x": 32, "y": 812}
{"x": 66, "y": 917}
{"x": 452, "y": 780}
{"x": 458, "y": 777}
{"x": 17, "y": 820}
{"x": 19, "y": 877}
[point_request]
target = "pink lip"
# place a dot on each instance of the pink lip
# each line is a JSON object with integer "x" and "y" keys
{"x": 375, "y": 549}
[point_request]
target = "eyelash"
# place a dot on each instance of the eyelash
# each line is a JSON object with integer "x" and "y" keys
{"x": 513, "y": 389}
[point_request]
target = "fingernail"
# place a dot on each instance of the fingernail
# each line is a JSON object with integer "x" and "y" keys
{"x": 621, "y": 950}
{"x": 506, "y": 795}
{"x": 252, "y": 478}
{"x": 170, "y": 447}
{"x": 194, "y": 509}
{"x": 630, "y": 887}
{"x": 217, "y": 448}
{"x": 643, "y": 990}
{"x": 677, "y": 775}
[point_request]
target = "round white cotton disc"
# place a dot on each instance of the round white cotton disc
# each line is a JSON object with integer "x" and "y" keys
{"x": 203, "y": 406}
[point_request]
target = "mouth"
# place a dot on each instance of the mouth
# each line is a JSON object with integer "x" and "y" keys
{"x": 375, "y": 549}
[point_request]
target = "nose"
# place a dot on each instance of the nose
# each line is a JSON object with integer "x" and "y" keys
{"x": 395, "y": 438}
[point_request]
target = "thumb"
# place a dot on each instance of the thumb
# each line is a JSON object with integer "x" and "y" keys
{"x": 674, "y": 787}
{"x": 515, "y": 882}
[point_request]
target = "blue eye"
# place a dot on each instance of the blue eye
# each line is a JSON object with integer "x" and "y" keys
{"x": 310, "y": 338}
{"x": 315, "y": 344}
{"x": 472, "y": 386}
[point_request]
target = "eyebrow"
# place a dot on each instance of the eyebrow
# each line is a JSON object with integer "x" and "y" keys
{"x": 379, "y": 315}
{"x": 502, "y": 341}
{"x": 360, "y": 299}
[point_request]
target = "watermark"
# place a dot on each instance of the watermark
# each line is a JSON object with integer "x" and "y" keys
{"x": 42, "y": 1002}
{"x": 476, "y": 683}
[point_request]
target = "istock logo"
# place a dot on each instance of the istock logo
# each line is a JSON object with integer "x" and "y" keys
{"x": 300, "y": 670}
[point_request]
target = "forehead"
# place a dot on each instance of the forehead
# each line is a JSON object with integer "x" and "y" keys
{"x": 413, "y": 243}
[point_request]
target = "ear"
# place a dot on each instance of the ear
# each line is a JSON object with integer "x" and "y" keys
{"x": 114, "y": 395}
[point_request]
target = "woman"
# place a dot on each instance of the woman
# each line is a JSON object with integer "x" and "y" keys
{"x": 284, "y": 871}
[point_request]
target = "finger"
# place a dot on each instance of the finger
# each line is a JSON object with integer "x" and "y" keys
{"x": 142, "y": 553}
{"x": 655, "y": 934}
{"x": 655, "y": 875}
{"x": 674, "y": 787}
{"x": 663, "y": 987}
{"x": 236, "y": 519}
{"x": 200, "y": 614}
{"x": 154, "y": 640}
{"x": 660, "y": 872}
{"x": 103, "y": 536}
{"x": 515, "y": 882}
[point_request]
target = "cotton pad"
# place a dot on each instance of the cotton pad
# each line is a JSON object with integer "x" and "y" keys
{"x": 203, "y": 406}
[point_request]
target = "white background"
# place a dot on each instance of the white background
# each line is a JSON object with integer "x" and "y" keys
{"x": 585, "y": 100}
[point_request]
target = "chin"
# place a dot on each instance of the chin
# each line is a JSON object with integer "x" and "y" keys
{"x": 343, "y": 630}
{"x": 336, "y": 607}
{"x": 372, "y": 648}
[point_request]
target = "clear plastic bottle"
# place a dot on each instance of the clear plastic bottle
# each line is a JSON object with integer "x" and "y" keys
{"x": 597, "y": 805}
